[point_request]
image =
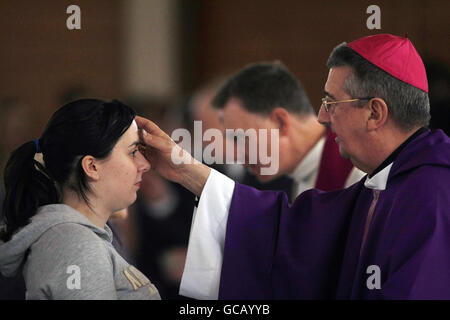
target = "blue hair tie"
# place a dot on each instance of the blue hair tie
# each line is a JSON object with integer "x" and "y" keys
{"x": 36, "y": 142}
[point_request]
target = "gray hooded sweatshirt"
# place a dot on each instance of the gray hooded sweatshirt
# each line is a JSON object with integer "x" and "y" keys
{"x": 67, "y": 257}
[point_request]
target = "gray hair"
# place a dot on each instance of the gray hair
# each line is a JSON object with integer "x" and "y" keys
{"x": 408, "y": 106}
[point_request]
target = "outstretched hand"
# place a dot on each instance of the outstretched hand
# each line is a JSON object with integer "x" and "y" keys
{"x": 159, "y": 149}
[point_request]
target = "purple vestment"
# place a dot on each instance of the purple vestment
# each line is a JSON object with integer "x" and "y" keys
{"x": 311, "y": 249}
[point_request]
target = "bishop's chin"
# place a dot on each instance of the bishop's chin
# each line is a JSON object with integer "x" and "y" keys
{"x": 344, "y": 154}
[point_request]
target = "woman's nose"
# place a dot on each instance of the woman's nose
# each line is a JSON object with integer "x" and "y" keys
{"x": 143, "y": 164}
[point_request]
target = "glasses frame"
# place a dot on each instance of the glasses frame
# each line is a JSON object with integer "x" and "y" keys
{"x": 325, "y": 103}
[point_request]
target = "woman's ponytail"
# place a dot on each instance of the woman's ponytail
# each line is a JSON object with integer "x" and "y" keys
{"x": 28, "y": 185}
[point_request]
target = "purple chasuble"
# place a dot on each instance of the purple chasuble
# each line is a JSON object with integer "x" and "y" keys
{"x": 312, "y": 248}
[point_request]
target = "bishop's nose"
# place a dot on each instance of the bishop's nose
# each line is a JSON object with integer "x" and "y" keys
{"x": 323, "y": 117}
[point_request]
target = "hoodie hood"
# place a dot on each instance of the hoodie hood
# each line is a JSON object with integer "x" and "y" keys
{"x": 12, "y": 252}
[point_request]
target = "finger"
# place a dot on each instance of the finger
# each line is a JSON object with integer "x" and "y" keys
{"x": 149, "y": 126}
{"x": 159, "y": 143}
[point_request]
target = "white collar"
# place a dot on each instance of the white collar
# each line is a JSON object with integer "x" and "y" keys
{"x": 310, "y": 162}
{"x": 378, "y": 181}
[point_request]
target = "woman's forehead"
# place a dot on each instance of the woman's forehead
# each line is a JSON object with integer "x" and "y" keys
{"x": 134, "y": 131}
{"x": 134, "y": 125}
{"x": 131, "y": 135}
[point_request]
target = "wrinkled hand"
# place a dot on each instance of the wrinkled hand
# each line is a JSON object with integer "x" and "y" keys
{"x": 159, "y": 149}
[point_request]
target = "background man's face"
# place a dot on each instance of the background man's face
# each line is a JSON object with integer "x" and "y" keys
{"x": 236, "y": 117}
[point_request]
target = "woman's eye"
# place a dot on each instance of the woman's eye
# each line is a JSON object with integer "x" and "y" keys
{"x": 134, "y": 153}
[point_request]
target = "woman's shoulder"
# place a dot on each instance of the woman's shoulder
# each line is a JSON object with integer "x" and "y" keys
{"x": 71, "y": 231}
{"x": 68, "y": 244}
{"x": 66, "y": 239}
{"x": 61, "y": 224}
{"x": 64, "y": 253}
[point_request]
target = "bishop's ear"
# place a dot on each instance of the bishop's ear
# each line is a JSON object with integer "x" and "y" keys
{"x": 90, "y": 167}
{"x": 378, "y": 115}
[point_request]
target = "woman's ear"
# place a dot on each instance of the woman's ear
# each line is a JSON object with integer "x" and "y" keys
{"x": 281, "y": 117}
{"x": 90, "y": 167}
{"x": 379, "y": 113}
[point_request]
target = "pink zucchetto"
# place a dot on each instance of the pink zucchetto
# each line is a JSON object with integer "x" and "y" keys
{"x": 395, "y": 55}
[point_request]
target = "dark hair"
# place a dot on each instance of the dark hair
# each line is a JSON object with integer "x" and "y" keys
{"x": 80, "y": 128}
{"x": 264, "y": 86}
{"x": 408, "y": 106}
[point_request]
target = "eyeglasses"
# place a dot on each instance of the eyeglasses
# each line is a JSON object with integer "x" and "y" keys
{"x": 325, "y": 103}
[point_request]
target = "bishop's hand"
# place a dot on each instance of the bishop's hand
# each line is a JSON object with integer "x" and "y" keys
{"x": 161, "y": 151}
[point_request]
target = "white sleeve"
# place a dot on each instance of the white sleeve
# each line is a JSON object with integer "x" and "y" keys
{"x": 201, "y": 275}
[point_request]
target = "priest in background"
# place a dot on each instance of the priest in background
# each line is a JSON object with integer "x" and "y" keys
{"x": 201, "y": 109}
{"x": 267, "y": 95}
{"x": 385, "y": 237}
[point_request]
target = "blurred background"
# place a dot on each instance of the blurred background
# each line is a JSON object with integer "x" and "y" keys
{"x": 157, "y": 55}
{"x": 167, "y": 48}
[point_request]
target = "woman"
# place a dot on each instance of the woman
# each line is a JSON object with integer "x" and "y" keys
{"x": 56, "y": 211}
